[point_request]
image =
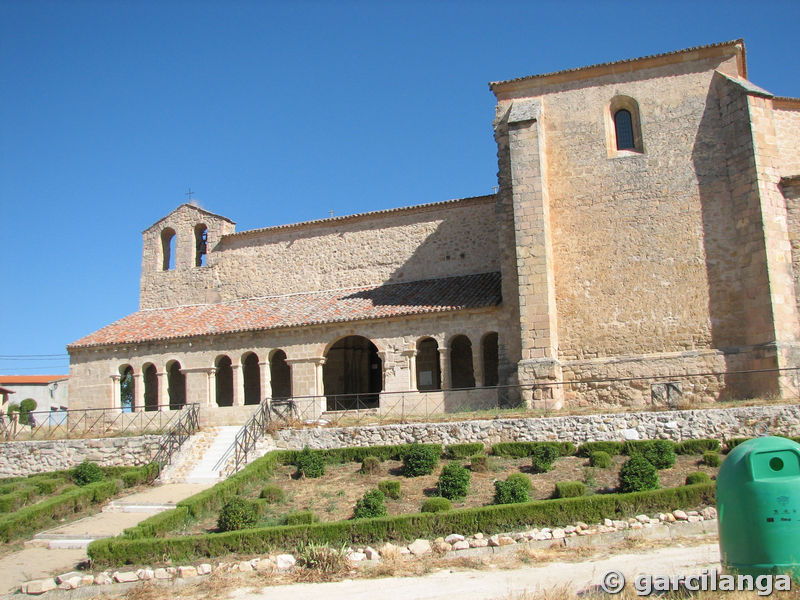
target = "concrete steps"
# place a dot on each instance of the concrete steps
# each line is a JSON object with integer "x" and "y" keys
{"x": 208, "y": 469}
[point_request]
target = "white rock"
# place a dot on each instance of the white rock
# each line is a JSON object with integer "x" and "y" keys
{"x": 453, "y": 538}
{"x": 145, "y": 574}
{"x": 284, "y": 562}
{"x": 637, "y": 525}
{"x": 581, "y": 525}
{"x": 630, "y": 434}
{"x": 87, "y": 580}
{"x": 372, "y": 554}
{"x": 478, "y": 543}
{"x": 125, "y": 576}
{"x": 643, "y": 518}
{"x": 608, "y": 522}
{"x": 66, "y": 576}
{"x": 680, "y": 515}
{"x": 245, "y": 566}
{"x": 204, "y": 569}
{"x": 478, "y": 536}
{"x": 419, "y": 547}
{"x": 265, "y": 565}
{"x": 462, "y": 545}
{"x": 356, "y": 556}
{"x": 40, "y": 586}
{"x": 709, "y": 512}
{"x": 559, "y": 533}
{"x": 570, "y": 529}
{"x": 103, "y": 579}
{"x": 694, "y": 518}
{"x": 187, "y": 571}
{"x": 161, "y": 573}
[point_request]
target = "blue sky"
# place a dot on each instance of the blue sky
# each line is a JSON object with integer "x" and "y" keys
{"x": 273, "y": 112}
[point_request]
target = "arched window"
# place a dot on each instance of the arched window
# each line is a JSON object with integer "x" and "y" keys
{"x": 429, "y": 373}
{"x": 224, "y": 381}
{"x": 490, "y": 359}
{"x": 200, "y": 245}
{"x": 168, "y": 249}
{"x": 280, "y": 375}
{"x": 352, "y": 374}
{"x": 462, "y": 374}
{"x": 176, "y": 386}
{"x": 252, "y": 379}
{"x": 150, "y": 387}
{"x": 126, "y": 396}
{"x": 623, "y": 126}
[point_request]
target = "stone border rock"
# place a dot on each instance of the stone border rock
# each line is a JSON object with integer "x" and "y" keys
{"x": 664, "y": 525}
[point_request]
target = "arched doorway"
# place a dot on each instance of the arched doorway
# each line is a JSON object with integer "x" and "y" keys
{"x": 150, "y": 388}
{"x": 429, "y": 373}
{"x": 176, "y": 386}
{"x": 280, "y": 375}
{"x": 224, "y": 380}
{"x": 462, "y": 374}
{"x": 352, "y": 374}
{"x": 490, "y": 359}
{"x": 252, "y": 379}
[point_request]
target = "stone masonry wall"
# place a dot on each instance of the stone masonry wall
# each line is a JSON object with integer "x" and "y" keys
{"x": 26, "y": 458}
{"x": 787, "y": 128}
{"x": 425, "y": 242}
{"x": 674, "y": 425}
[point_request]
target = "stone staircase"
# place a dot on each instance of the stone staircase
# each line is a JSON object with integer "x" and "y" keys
{"x": 208, "y": 469}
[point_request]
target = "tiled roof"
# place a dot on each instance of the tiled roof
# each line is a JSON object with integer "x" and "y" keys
{"x": 740, "y": 42}
{"x": 298, "y": 310}
{"x": 23, "y": 379}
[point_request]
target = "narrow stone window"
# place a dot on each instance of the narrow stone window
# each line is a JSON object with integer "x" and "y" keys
{"x": 200, "y": 245}
{"x": 623, "y": 124}
{"x": 490, "y": 359}
{"x": 461, "y": 368}
{"x": 429, "y": 373}
{"x": 150, "y": 388}
{"x": 252, "y": 379}
{"x": 168, "y": 249}
{"x": 126, "y": 396}
{"x": 176, "y": 386}
{"x": 280, "y": 375}
{"x": 224, "y": 380}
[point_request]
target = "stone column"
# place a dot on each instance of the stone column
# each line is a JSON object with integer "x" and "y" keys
{"x": 211, "y": 400}
{"x": 163, "y": 390}
{"x": 138, "y": 391}
{"x": 444, "y": 367}
{"x": 307, "y": 386}
{"x": 477, "y": 366}
{"x": 266, "y": 380}
{"x": 411, "y": 358}
{"x": 116, "y": 399}
{"x": 238, "y": 385}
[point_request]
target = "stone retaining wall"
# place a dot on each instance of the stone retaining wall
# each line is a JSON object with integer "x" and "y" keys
{"x": 25, "y": 458}
{"x": 674, "y": 425}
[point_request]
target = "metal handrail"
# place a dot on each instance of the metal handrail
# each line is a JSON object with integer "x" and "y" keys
{"x": 249, "y": 434}
{"x": 169, "y": 443}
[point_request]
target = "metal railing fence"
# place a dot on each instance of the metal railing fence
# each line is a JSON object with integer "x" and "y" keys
{"x": 184, "y": 427}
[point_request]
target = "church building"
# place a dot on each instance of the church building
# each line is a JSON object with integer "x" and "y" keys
{"x": 646, "y": 230}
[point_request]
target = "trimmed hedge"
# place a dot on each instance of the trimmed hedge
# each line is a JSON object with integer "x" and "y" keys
{"x": 513, "y": 490}
{"x": 479, "y": 463}
{"x": 301, "y": 517}
{"x": 697, "y": 446}
{"x": 370, "y": 466}
{"x": 525, "y": 449}
{"x": 310, "y": 464}
{"x": 335, "y": 456}
{"x": 436, "y": 504}
{"x": 611, "y": 448}
{"x": 697, "y": 477}
{"x": 238, "y": 513}
{"x": 272, "y": 493}
{"x": 569, "y": 489}
{"x": 600, "y": 459}
{"x": 711, "y": 459}
{"x": 390, "y": 488}
{"x": 419, "y": 460}
{"x": 543, "y": 458}
{"x": 456, "y": 451}
{"x": 17, "y": 499}
{"x": 87, "y": 472}
{"x": 659, "y": 453}
{"x": 486, "y": 519}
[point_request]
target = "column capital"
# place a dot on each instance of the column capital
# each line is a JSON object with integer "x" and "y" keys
{"x": 116, "y": 377}
{"x": 409, "y": 352}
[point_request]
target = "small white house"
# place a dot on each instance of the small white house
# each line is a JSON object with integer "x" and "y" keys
{"x": 50, "y": 392}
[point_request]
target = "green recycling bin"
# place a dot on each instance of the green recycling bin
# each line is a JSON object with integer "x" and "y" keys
{"x": 758, "y": 504}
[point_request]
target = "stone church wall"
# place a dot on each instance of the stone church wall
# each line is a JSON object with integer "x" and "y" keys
{"x": 787, "y": 128}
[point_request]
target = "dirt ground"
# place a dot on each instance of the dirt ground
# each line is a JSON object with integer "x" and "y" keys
{"x": 333, "y": 496}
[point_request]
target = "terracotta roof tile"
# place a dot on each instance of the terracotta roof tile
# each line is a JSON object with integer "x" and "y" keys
{"x": 23, "y": 379}
{"x": 298, "y": 310}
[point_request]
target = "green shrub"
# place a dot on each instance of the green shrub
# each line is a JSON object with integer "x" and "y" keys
{"x": 697, "y": 446}
{"x": 542, "y": 458}
{"x": 525, "y": 449}
{"x": 697, "y": 477}
{"x": 272, "y": 494}
{"x": 453, "y": 482}
{"x": 479, "y": 463}
{"x": 301, "y": 517}
{"x": 86, "y": 473}
{"x": 659, "y": 453}
{"x": 238, "y": 513}
{"x": 511, "y": 491}
{"x": 436, "y": 505}
{"x": 310, "y": 464}
{"x": 370, "y": 466}
{"x": 731, "y": 443}
{"x": 370, "y": 505}
{"x": 600, "y": 458}
{"x": 419, "y": 460}
{"x": 610, "y": 448}
{"x": 17, "y": 499}
{"x": 569, "y": 489}
{"x": 390, "y": 488}
{"x": 486, "y": 519}
{"x": 456, "y": 451}
{"x": 522, "y": 478}
{"x": 711, "y": 459}
{"x": 335, "y": 456}
{"x": 637, "y": 475}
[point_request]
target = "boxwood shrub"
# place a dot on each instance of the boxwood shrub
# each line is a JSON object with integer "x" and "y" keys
{"x": 370, "y": 505}
{"x": 86, "y": 473}
{"x": 525, "y": 449}
{"x": 542, "y": 458}
{"x": 697, "y": 446}
{"x": 370, "y": 465}
{"x": 711, "y": 459}
{"x": 659, "y": 453}
{"x": 569, "y": 489}
{"x": 453, "y": 482}
{"x": 310, "y": 464}
{"x": 511, "y": 491}
{"x": 456, "y": 451}
{"x": 419, "y": 460}
{"x": 600, "y": 459}
{"x": 272, "y": 494}
{"x": 238, "y": 513}
{"x": 479, "y": 463}
{"x": 300, "y": 517}
{"x": 390, "y": 488}
{"x": 697, "y": 477}
{"x": 611, "y": 448}
{"x": 637, "y": 475}
{"x": 436, "y": 504}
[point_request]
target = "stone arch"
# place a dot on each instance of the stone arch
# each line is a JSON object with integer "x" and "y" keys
{"x": 224, "y": 380}
{"x": 429, "y": 371}
{"x": 280, "y": 374}
{"x": 251, "y": 374}
{"x": 624, "y": 125}
{"x": 150, "y": 382}
{"x": 200, "y": 244}
{"x": 168, "y": 243}
{"x": 176, "y": 385}
{"x": 127, "y": 395}
{"x": 462, "y": 373}
{"x": 490, "y": 359}
{"x": 352, "y": 374}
